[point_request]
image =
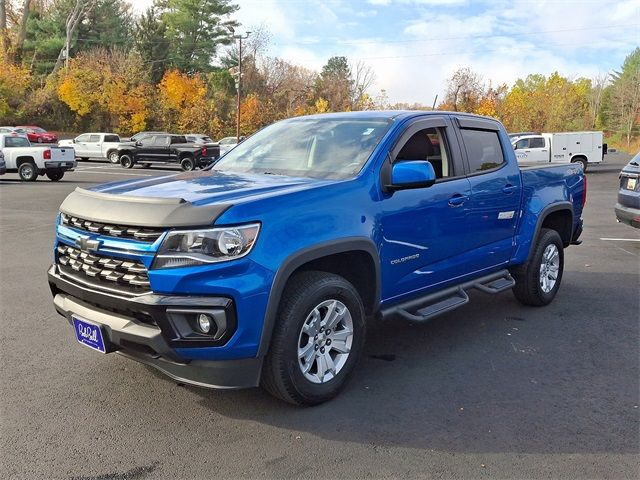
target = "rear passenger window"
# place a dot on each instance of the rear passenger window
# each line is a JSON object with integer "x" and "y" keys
{"x": 112, "y": 138}
{"x": 483, "y": 149}
{"x": 536, "y": 142}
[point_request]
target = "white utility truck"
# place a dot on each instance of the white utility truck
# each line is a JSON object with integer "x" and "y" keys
{"x": 569, "y": 147}
{"x": 94, "y": 145}
{"x": 30, "y": 161}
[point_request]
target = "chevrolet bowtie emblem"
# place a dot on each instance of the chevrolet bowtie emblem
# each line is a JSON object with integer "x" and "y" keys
{"x": 87, "y": 244}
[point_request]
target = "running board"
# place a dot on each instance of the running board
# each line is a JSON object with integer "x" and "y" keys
{"x": 423, "y": 309}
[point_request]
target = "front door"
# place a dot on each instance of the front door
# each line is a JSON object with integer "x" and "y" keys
{"x": 424, "y": 229}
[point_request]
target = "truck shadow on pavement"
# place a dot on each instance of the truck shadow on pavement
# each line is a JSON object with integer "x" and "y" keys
{"x": 560, "y": 379}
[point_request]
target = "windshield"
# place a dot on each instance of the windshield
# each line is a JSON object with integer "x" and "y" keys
{"x": 308, "y": 147}
{"x": 39, "y": 130}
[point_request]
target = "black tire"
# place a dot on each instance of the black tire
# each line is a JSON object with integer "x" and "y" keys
{"x": 282, "y": 375}
{"x": 528, "y": 289}
{"x": 28, "y": 172}
{"x": 113, "y": 157}
{"x": 584, "y": 163}
{"x": 126, "y": 161}
{"x": 54, "y": 176}
{"x": 187, "y": 164}
{"x": 84, "y": 159}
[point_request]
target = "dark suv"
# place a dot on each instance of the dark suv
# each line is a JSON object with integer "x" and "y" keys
{"x": 165, "y": 148}
{"x": 628, "y": 206}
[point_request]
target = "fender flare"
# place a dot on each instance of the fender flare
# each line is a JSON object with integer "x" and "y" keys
{"x": 299, "y": 258}
{"x": 544, "y": 213}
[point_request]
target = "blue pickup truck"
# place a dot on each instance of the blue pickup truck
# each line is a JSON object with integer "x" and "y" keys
{"x": 265, "y": 268}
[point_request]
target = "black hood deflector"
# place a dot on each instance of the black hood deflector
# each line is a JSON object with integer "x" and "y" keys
{"x": 139, "y": 211}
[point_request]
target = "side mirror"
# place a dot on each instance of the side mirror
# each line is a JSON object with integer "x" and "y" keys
{"x": 138, "y": 143}
{"x": 411, "y": 174}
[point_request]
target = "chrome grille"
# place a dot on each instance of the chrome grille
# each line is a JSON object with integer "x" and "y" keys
{"x": 102, "y": 271}
{"x": 142, "y": 234}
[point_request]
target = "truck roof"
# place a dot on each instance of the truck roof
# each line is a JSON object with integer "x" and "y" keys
{"x": 390, "y": 114}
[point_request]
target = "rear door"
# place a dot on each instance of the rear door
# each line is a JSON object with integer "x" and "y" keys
{"x": 496, "y": 188}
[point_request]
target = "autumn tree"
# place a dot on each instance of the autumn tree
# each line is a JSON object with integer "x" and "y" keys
{"x": 622, "y": 109}
{"x": 464, "y": 90}
{"x": 334, "y": 84}
{"x": 182, "y": 101}
{"x": 107, "y": 89}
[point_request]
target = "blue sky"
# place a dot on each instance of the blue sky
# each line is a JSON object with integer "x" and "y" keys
{"x": 414, "y": 45}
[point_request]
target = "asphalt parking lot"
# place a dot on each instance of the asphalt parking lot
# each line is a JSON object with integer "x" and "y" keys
{"x": 491, "y": 390}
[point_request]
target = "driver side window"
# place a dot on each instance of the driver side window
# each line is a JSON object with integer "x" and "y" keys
{"x": 428, "y": 144}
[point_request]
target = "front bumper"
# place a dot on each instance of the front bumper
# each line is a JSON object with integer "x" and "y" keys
{"x": 141, "y": 329}
{"x": 628, "y": 215}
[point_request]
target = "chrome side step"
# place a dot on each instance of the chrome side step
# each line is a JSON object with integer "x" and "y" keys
{"x": 425, "y": 308}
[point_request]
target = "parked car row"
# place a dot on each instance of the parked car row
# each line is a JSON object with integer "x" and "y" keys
{"x": 33, "y": 133}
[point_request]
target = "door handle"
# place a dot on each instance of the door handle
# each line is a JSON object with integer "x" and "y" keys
{"x": 457, "y": 200}
{"x": 509, "y": 189}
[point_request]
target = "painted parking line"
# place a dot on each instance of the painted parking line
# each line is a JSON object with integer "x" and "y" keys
{"x": 119, "y": 173}
{"x": 620, "y": 239}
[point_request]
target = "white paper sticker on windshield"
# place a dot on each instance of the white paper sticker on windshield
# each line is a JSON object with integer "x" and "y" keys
{"x": 368, "y": 131}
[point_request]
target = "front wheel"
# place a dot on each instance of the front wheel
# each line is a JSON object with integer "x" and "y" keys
{"x": 113, "y": 157}
{"x": 318, "y": 338}
{"x": 54, "y": 176}
{"x": 28, "y": 172}
{"x": 538, "y": 280}
{"x": 126, "y": 161}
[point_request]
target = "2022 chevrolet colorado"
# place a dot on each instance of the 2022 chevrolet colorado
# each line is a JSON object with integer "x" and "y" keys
{"x": 263, "y": 269}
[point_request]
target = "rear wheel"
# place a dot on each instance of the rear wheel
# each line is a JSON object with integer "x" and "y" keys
{"x": 538, "y": 281}
{"x": 28, "y": 172}
{"x": 84, "y": 159}
{"x": 54, "y": 176}
{"x": 126, "y": 161}
{"x": 187, "y": 164}
{"x": 317, "y": 340}
{"x": 582, "y": 161}
{"x": 113, "y": 157}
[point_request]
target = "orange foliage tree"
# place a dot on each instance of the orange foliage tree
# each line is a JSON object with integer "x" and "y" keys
{"x": 110, "y": 88}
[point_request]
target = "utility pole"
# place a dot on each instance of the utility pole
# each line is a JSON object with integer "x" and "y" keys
{"x": 239, "y": 79}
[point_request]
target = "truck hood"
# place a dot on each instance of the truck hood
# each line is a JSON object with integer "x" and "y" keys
{"x": 210, "y": 186}
{"x": 187, "y": 199}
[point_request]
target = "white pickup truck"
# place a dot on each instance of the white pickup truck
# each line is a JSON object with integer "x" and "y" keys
{"x": 94, "y": 145}
{"x": 30, "y": 161}
{"x": 568, "y": 147}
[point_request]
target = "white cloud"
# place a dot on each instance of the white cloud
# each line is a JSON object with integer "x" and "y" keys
{"x": 500, "y": 39}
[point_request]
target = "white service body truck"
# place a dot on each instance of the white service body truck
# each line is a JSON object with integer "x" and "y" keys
{"x": 30, "y": 162}
{"x": 94, "y": 145}
{"x": 570, "y": 147}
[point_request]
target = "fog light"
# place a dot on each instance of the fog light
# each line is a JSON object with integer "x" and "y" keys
{"x": 204, "y": 323}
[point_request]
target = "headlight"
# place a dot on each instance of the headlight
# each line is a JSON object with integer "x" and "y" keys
{"x": 183, "y": 248}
